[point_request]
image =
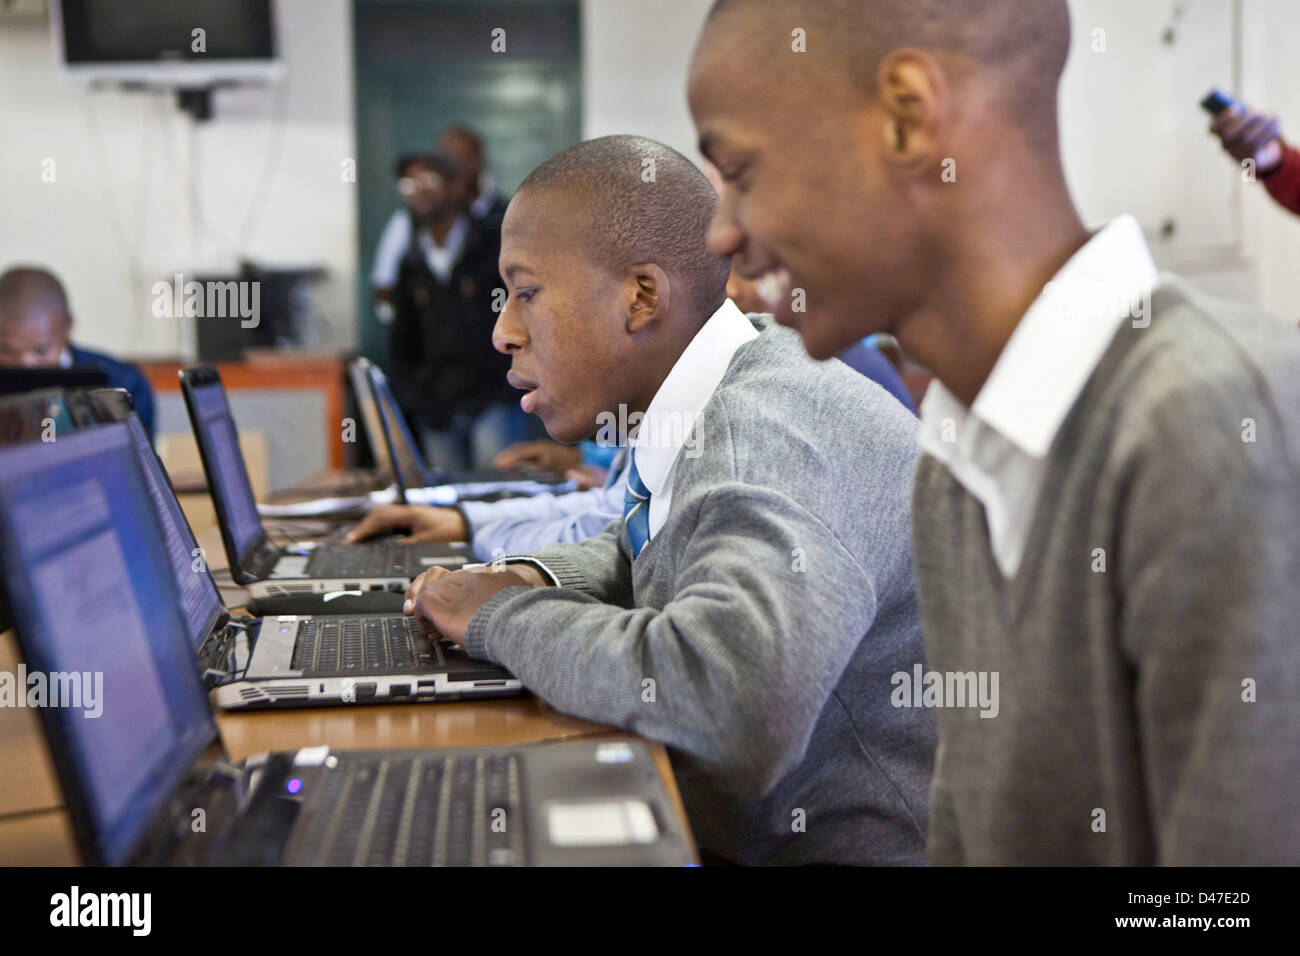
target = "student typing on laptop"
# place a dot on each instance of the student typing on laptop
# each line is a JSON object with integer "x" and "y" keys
{"x": 747, "y": 611}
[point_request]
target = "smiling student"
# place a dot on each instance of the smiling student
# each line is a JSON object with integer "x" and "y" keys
{"x": 1107, "y": 513}
{"x": 747, "y": 611}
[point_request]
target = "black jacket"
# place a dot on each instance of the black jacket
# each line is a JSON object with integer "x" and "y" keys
{"x": 441, "y": 336}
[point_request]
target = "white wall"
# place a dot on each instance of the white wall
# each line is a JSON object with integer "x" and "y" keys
{"x": 118, "y": 214}
{"x": 1135, "y": 139}
{"x": 634, "y": 59}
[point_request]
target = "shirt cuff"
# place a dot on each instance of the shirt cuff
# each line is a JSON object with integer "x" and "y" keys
{"x": 555, "y": 581}
{"x": 476, "y": 635}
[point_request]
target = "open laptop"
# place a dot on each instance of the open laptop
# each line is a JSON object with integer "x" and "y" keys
{"x": 270, "y": 570}
{"x": 361, "y": 481}
{"x": 292, "y": 660}
{"x": 409, "y": 467}
{"x": 14, "y": 381}
{"x": 136, "y": 747}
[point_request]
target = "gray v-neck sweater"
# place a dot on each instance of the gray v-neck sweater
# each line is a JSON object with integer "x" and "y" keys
{"x": 1148, "y": 648}
{"x": 756, "y": 634}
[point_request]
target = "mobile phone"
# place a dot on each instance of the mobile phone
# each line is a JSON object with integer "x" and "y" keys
{"x": 1217, "y": 101}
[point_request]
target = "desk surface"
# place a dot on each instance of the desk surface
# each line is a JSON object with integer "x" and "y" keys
{"x": 34, "y": 829}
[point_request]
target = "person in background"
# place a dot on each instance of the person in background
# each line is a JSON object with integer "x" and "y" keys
{"x": 479, "y": 196}
{"x": 445, "y": 372}
{"x": 1250, "y": 135}
{"x": 464, "y": 147}
{"x": 1106, "y": 518}
{"x": 587, "y": 462}
{"x": 35, "y": 332}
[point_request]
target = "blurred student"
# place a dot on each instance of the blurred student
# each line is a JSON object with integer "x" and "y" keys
{"x": 445, "y": 370}
{"x": 1250, "y": 135}
{"x": 36, "y": 329}
{"x": 1107, "y": 524}
{"x": 745, "y": 607}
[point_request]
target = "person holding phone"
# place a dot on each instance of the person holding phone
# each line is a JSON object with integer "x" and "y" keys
{"x": 1249, "y": 134}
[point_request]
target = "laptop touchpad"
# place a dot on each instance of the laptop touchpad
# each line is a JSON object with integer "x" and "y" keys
{"x": 604, "y": 823}
{"x": 290, "y": 566}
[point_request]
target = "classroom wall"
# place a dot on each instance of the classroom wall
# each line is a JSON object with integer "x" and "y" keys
{"x": 118, "y": 215}
{"x": 634, "y": 59}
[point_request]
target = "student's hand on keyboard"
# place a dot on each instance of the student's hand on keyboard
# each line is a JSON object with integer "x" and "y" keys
{"x": 421, "y": 522}
{"x": 443, "y": 601}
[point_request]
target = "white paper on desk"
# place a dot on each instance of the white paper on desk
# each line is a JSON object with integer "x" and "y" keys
{"x": 320, "y": 506}
{"x": 481, "y": 489}
{"x": 445, "y": 495}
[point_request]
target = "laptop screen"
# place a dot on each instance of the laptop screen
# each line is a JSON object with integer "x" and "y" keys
{"x": 200, "y": 599}
{"x": 230, "y": 482}
{"x": 363, "y": 391}
{"x": 102, "y": 637}
{"x": 415, "y": 473}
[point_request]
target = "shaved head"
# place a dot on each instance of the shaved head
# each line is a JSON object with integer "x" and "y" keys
{"x": 640, "y": 201}
{"x": 35, "y": 321}
{"x": 28, "y": 291}
{"x": 1021, "y": 44}
{"x": 876, "y": 154}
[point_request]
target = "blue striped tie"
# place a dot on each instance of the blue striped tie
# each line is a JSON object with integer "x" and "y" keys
{"x": 636, "y": 507}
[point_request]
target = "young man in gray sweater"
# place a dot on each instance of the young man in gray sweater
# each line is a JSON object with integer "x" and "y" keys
{"x": 748, "y": 610}
{"x": 1107, "y": 511}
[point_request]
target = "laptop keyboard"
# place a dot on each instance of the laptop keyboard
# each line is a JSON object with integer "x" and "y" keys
{"x": 361, "y": 561}
{"x": 329, "y": 644}
{"x": 464, "y": 810}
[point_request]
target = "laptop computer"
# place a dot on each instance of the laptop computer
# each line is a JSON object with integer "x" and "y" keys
{"x": 136, "y": 746}
{"x": 410, "y": 470}
{"x": 269, "y": 570}
{"x": 15, "y": 381}
{"x": 361, "y": 481}
{"x": 305, "y": 660}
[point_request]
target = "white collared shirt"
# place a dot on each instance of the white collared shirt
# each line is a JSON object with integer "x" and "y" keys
{"x": 997, "y": 449}
{"x": 662, "y": 436}
{"x": 396, "y": 239}
{"x": 487, "y": 195}
{"x": 442, "y": 258}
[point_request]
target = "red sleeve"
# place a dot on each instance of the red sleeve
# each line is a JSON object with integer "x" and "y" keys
{"x": 1283, "y": 183}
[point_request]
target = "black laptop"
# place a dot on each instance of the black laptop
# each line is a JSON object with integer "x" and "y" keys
{"x": 136, "y": 748}
{"x": 305, "y": 659}
{"x": 15, "y": 381}
{"x": 272, "y": 570}
{"x": 410, "y": 470}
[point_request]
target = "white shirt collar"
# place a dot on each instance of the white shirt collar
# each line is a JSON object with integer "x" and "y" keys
{"x": 442, "y": 258}
{"x": 487, "y": 194}
{"x": 998, "y": 448}
{"x": 681, "y": 398}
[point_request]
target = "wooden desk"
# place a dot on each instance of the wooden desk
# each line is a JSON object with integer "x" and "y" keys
{"x": 35, "y": 830}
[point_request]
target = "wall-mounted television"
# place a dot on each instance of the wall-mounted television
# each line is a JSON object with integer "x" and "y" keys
{"x": 153, "y": 42}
